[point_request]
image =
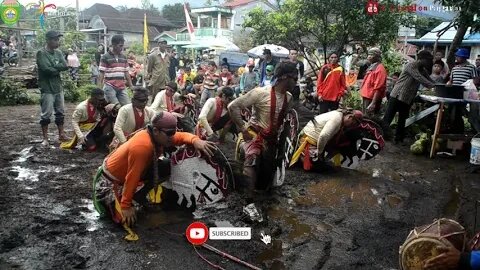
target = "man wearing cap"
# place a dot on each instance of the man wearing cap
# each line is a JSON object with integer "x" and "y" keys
{"x": 320, "y": 131}
{"x": 158, "y": 68}
{"x": 267, "y": 60}
{"x": 250, "y": 79}
{"x": 118, "y": 180}
{"x": 132, "y": 117}
{"x": 374, "y": 85}
{"x": 405, "y": 91}
{"x": 51, "y": 62}
{"x": 86, "y": 115}
{"x": 270, "y": 105}
{"x": 214, "y": 115}
{"x": 114, "y": 77}
{"x": 462, "y": 72}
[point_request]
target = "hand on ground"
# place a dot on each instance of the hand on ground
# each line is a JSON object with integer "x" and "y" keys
{"x": 129, "y": 216}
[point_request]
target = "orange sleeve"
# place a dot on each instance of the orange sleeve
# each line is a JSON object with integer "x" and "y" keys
{"x": 380, "y": 82}
{"x": 139, "y": 157}
{"x": 343, "y": 85}
{"x": 320, "y": 80}
{"x": 181, "y": 138}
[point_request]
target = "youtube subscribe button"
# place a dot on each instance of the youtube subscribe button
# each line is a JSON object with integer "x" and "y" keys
{"x": 230, "y": 233}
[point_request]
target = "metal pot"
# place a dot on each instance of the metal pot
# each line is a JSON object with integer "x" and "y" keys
{"x": 449, "y": 91}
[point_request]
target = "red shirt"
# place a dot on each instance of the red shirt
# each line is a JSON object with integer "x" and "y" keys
{"x": 374, "y": 81}
{"x": 331, "y": 87}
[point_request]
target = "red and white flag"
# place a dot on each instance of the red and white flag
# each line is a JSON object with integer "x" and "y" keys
{"x": 190, "y": 28}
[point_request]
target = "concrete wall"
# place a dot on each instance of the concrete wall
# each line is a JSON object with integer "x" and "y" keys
{"x": 242, "y": 11}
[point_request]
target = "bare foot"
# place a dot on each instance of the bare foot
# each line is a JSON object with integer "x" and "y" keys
{"x": 45, "y": 143}
{"x": 63, "y": 138}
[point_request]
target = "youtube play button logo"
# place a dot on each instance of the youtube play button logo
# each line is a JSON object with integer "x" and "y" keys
{"x": 197, "y": 233}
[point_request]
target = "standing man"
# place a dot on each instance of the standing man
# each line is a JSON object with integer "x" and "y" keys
{"x": 267, "y": 60}
{"x": 269, "y": 106}
{"x": 293, "y": 57}
{"x": 158, "y": 68}
{"x": 374, "y": 85}
{"x": 174, "y": 64}
{"x": 51, "y": 62}
{"x": 405, "y": 91}
{"x": 114, "y": 73}
{"x": 331, "y": 85}
{"x": 477, "y": 64}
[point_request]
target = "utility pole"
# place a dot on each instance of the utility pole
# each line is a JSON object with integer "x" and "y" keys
{"x": 77, "y": 16}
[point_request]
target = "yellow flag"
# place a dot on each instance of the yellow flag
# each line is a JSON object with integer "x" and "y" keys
{"x": 145, "y": 34}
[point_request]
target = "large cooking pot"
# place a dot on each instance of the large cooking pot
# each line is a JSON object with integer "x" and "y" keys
{"x": 449, "y": 91}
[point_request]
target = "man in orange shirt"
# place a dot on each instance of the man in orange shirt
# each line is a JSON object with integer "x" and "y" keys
{"x": 118, "y": 180}
{"x": 374, "y": 84}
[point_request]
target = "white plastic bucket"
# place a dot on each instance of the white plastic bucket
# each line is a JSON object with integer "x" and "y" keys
{"x": 475, "y": 151}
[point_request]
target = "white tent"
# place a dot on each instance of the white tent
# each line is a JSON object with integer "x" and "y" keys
{"x": 220, "y": 43}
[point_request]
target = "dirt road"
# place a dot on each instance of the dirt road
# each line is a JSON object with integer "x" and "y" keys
{"x": 335, "y": 220}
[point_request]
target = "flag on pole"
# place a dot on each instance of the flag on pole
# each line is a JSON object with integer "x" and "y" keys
{"x": 145, "y": 34}
{"x": 190, "y": 28}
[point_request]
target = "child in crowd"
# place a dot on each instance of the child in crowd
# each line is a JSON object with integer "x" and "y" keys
{"x": 93, "y": 68}
{"x": 267, "y": 81}
{"x": 390, "y": 85}
{"x": 436, "y": 75}
{"x": 225, "y": 76}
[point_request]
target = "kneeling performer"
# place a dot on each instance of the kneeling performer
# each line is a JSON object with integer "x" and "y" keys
{"x": 214, "y": 115}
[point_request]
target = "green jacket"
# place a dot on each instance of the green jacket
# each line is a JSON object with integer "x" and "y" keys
{"x": 49, "y": 65}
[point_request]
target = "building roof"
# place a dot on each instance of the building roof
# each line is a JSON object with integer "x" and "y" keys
{"x": 446, "y": 38}
{"x": 97, "y": 9}
{"x": 236, "y": 3}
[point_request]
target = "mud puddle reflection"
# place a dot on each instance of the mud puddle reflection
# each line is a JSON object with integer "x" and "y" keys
{"x": 91, "y": 216}
{"x": 358, "y": 193}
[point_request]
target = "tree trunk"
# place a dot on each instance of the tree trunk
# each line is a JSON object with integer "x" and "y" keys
{"x": 457, "y": 41}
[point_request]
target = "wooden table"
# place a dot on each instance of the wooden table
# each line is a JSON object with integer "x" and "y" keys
{"x": 439, "y": 106}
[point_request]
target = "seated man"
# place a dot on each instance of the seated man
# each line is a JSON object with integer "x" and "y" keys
{"x": 132, "y": 117}
{"x": 214, "y": 115}
{"x": 270, "y": 105}
{"x": 164, "y": 100}
{"x": 86, "y": 115}
{"x": 321, "y": 130}
{"x": 116, "y": 184}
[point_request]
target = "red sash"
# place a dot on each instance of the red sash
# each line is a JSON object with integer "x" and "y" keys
{"x": 139, "y": 120}
{"x": 90, "y": 113}
{"x": 273, "y": 126}
{"x": 169, "y": 101}
{"x": 219, "y": 109}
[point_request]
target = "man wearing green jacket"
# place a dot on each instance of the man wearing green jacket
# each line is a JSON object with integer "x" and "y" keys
{"x": 50, "y": 62}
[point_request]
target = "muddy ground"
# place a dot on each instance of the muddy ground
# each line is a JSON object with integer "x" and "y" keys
{"x": 335, "y": 220}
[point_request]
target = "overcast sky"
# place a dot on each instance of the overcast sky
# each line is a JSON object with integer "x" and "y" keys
{"x": 129, "y": 3}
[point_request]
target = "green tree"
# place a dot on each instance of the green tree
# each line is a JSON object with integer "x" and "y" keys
{"x": 174, "y": 13}
{"x": 310, "y": 24}
{"x": 468, "y": 16}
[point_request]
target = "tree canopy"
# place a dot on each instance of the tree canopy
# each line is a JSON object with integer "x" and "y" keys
{"x": 174, "y": 13}
{"x": 327, "y": 24}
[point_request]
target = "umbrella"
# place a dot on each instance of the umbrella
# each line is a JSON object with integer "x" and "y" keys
{"x": 276, "y": 50}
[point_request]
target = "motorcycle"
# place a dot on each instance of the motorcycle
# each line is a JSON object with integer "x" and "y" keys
{"x": 10, "y": 56}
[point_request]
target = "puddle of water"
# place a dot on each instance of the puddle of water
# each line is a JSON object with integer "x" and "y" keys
{"x": 24, "y": 155}
{"x": 451, "y": 208}
{"x": 394, "y": 201}
{"x": 273, "y": 251}
{"x": 156, "y": 219}
{"x": 59, "y": 210}
{"x": 298, "y": 229}
{"x": 91, "y": 216}
{"x": 323, "y": 226}
{"x": 26, "y": 173}
{"x": 334, "y": 192}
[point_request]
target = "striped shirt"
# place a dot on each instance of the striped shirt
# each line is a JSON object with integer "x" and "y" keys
{"x": 461, "y": 74}
{"x": 114, "y": 68}
{"x": 407, "y": 85}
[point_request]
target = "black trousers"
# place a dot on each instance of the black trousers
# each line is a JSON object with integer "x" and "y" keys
{"x": 403, "y": 109}
{"x": 326, "y": 106}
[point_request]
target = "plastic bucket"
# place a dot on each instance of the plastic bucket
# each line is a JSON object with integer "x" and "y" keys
{"x": 475, "y": 151}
